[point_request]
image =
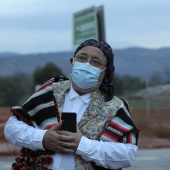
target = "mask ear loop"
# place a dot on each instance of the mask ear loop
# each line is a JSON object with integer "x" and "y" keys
{"x": 101, "y": 72}
{"x": 103, "y": 69}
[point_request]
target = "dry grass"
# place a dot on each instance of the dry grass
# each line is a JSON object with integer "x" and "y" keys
{"x": 154, "y": 126}
{"x": 2, "y": 137}
{"x": 156, "y": 122}
{"x": 5, "y": 113}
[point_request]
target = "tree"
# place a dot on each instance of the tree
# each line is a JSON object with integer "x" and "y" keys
{"x": 118, "y": 85}
{"x": 132, "y": 83}
{"x": 155, "y": 79}
{"x": 45, "y": 73}
{"x": 167, "y": 72}
{"x": 13, "y": 89}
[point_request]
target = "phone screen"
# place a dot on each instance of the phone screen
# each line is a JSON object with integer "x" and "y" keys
{"x": 69, "y": 121}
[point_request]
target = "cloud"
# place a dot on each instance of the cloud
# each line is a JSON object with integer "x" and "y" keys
{"x": 43, "y": 25}
{"x": 33, "y": 41}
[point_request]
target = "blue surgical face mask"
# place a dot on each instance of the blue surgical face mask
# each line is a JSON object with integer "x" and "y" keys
{"x": 85, "y": 75}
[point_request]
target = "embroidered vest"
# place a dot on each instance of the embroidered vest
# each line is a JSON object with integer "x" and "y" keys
{"x": 95, "y": 118}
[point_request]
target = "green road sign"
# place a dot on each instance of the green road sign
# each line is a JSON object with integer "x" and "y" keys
{"x": 85, "y": 25}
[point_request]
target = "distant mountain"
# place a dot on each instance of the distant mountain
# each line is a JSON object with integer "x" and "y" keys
{"x": 140, "y": 62}
{"x": 8, "y": 54}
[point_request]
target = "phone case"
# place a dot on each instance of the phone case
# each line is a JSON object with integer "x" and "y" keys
{"x": 69, "y": 121}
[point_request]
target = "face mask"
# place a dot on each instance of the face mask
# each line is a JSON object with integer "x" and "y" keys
{"x": 85, "y": 75}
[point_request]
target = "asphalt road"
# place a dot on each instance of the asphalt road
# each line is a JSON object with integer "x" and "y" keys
{"x": 153, "y": 159}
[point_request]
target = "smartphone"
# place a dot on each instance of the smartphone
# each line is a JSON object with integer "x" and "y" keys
{"x": 69, "y": 121}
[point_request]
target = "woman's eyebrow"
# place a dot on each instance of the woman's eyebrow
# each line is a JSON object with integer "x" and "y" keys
{"x": 82, "y": 53}
{"x": 93, "y": 57}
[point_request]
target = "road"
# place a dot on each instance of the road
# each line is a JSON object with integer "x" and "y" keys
{"x": 153, "y": 159}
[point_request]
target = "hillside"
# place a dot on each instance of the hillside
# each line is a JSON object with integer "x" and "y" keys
{"x": 131, "y": 61}
{"x": 156, "y": 92}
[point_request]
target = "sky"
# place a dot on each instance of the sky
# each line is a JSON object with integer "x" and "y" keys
{"x": 40, "y": 26}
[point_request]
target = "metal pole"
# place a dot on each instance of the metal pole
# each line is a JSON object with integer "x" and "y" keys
{"x": 147, "y": 99}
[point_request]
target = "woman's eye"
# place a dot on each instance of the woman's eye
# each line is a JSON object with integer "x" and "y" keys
{"x": 82, "y": 58}
{"x": 96, "y": 62}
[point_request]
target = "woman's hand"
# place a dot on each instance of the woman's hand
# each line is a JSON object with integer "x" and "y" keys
{"x": 77, "y": 136}
{"x": 60, "y": 141}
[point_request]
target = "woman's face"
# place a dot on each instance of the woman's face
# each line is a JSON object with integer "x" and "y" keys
{"x": 91, "y": 52}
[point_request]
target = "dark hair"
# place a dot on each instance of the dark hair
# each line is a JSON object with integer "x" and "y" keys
{"x": 106, "y": 86}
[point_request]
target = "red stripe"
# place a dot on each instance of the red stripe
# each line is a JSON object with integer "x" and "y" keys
{"x": 49, "y": 126}
{"x": 129, "y": 138}
{"x": 42, "y": 88}
{"x": 118, "y": 126}
{"x": 110, "y": 136}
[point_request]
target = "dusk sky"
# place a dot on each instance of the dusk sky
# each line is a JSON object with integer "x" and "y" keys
{"x": 33, "y": 26}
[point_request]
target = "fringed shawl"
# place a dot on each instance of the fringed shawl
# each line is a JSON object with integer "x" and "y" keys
{"x": 106, "y": 121}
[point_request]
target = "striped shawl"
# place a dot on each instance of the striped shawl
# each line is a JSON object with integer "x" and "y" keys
{"x": 106, "y": 121}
